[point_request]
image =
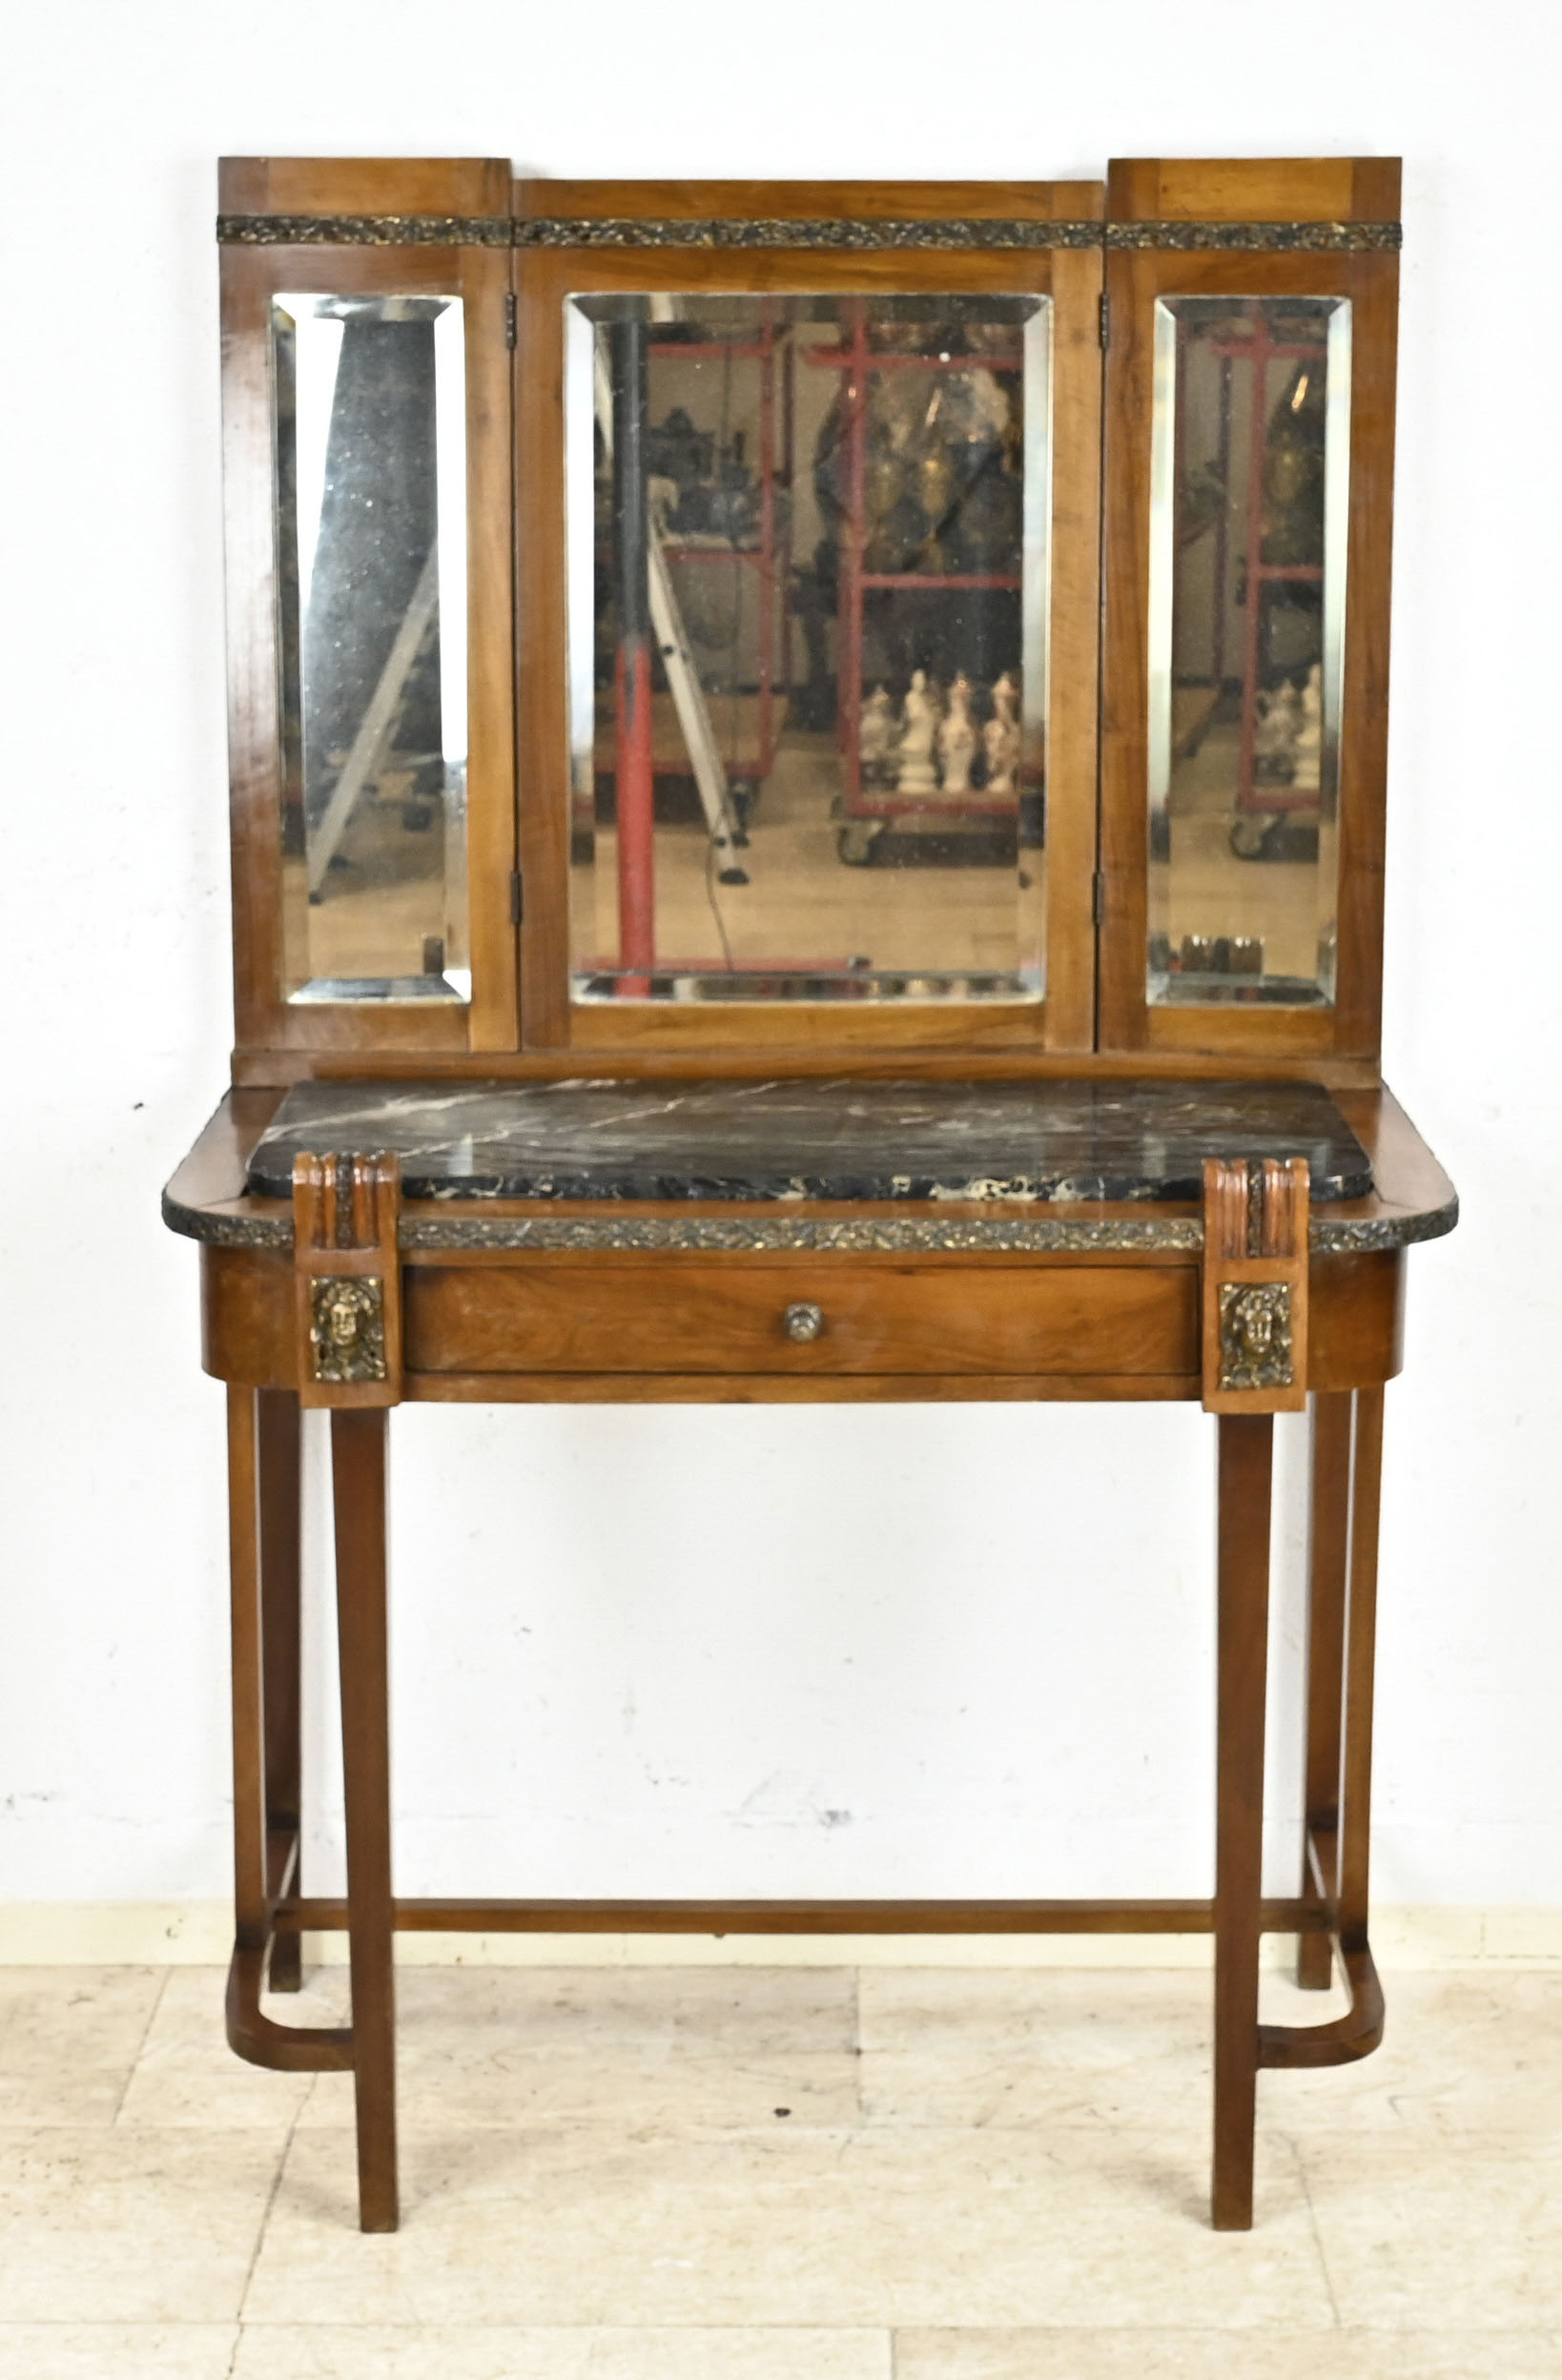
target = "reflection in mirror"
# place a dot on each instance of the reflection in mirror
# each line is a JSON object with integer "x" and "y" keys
{"x": 371, "y": 536}
{"x": 1246, "y": 631}
{"x": 807, "y": 615}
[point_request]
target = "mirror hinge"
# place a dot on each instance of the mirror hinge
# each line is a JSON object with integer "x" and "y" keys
{"x": 515, "y": 896}
{"x": 1106, "y": 319}
{"x": 509, "y": 318}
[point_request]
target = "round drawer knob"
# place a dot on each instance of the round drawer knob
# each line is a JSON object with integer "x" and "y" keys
{"x": 802, "y": 1322}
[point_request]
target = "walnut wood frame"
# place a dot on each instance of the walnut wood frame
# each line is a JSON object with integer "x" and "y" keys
{"x": 1103, "y": 1317}
{"x": 1111, "y": 1326}
{"x": 1331, "y": 192}
{"x": 1095, "y": 1016}
{"x": 1360, "y": 1348}
{"x": 264, "y": 1019}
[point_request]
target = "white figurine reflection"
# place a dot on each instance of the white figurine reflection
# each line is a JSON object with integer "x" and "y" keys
{"x": 1000, "y": 736}
{"x": 919, "y": 724}
{"x": 958, "y": 738}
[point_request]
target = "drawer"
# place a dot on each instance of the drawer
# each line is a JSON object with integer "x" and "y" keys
{"x": 715, "y": 1315}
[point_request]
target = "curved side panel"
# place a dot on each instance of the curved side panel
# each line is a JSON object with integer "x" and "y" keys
{"x": 1357, "y": 1320}
{"x": 247, "y": 1317}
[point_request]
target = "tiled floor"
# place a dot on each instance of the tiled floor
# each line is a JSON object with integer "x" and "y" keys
{"x": 708, "y": 2173}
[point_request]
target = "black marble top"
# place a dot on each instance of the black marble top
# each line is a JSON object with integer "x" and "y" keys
{"x": 1052, "y": 1142}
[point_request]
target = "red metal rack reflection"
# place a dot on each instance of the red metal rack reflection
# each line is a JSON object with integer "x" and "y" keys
{"x": 1258, "y": 350}
{"x": 857, "y": 363}
{"x": 770, "y": 557}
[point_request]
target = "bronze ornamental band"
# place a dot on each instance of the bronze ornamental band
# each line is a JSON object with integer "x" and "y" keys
{"x": 453, "y": 230}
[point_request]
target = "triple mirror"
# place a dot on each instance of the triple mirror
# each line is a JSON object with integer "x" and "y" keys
{"x": 799, "y": 571}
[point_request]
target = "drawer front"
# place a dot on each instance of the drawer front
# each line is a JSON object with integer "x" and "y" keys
{"x": 712, "y": 1316}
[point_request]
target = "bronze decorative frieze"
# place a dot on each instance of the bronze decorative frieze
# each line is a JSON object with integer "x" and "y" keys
{"x": 347, "y": 1329}
{"x": 1361, "y": 1235}
{"x": 364, "y": 231}
{"x": 1256, "y": 1334}
{"x": 811, "y": 231}
{"x": 870, "y": 1236}
{"x": 453, "y": 230}
{"x": 1267, "y": 238}
{"x": 869, "y": 232}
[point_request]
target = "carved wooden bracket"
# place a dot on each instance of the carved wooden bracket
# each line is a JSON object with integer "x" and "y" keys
{"x": 349, "y": 1279}
{"x": 1255, "y": 1332}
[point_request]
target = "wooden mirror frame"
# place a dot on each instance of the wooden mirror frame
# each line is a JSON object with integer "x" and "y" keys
{"x": 645, "y": 251}
{"x": 1309, "y": 227}
{"x": 263, "y": 199}
{"x": 513, "y": 250}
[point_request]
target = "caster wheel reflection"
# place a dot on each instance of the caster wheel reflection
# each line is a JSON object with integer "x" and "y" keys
{"x": 858, "y": 842}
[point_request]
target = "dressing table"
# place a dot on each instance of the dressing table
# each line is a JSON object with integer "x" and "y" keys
{"x": 808, "y": 806}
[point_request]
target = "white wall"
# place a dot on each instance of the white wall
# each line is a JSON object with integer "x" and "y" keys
{"x": 957, "y": 1649}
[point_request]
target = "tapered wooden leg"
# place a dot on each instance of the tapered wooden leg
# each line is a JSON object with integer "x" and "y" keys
{"x": 1360, "y": 1632}
{"x": 358, "y": 1462}
{"x": 1245, "y": 1462}
{"x": 248, "y": 1686}
{"x": 277, "y": 1415}
{"x": 1329, "y": 1554}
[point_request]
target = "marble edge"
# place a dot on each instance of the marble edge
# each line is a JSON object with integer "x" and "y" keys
{"x": 224, "y": 1227}
{"x": 1346, "y": 1235}
{"x": 1352, "y": 1234}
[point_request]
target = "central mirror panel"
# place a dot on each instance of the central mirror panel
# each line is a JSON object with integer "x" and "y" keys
{"x": 807, "y": 583}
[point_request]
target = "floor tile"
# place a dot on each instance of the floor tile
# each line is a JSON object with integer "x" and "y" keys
{"x": 1472, "y": 2232}
{"x": 186, "y": 2074}
{"x": 597, "y": 2186}
{"x": 129, "y": 2224}
{"x": 753, "y": 2009}
{"x": 1221, "y": 2355}
{"x": 1461, "y": 2055}
{"x": 444, "y": 2076}
{"x": 96, "y": 2351}
{"x": 70, "y": 2038}
{"x": 462, "y": 2352}
{"x": 753, "y": 2354}
{"x": 1057, "y": 2046}
{"x": 857, "y": 2228}
{"x": 365, "y": 2351}
{"x": 510, "y": 2046}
